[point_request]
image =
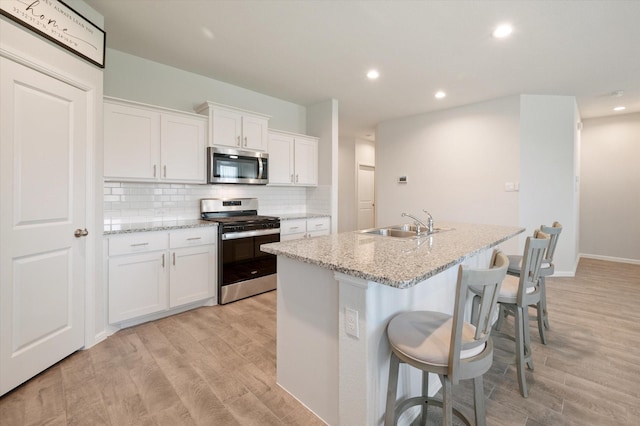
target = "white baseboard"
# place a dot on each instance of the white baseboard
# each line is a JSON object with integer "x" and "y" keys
{"x": 610, "y": 258}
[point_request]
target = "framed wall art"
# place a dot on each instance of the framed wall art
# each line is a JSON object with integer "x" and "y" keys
{"x": 58, "y": 22}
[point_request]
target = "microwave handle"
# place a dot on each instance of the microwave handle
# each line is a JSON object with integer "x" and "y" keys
{"x": 260, "y": 169}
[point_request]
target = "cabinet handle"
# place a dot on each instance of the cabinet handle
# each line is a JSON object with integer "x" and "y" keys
{"x": 245, "y": 141}
{"x": 165, "y": 170}
{"x": 296, "y": 178}
{"x": 318, "y": 225}
{"x": 194, "y": 238}
{"x": 174, "y": 258}
{"x": 154, "y": 170}
{"x": 139, "y": 244}
{"x": 238, "y": 141}
{"x": 162, "y": 260}
{"x": 294, "y": 228}
{"x": 292, "y": 178}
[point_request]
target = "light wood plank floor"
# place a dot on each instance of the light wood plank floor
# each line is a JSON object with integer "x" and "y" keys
{"x": 216, "y": 366}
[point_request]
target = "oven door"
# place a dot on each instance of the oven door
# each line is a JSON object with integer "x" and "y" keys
{"x": 244, "y": 270}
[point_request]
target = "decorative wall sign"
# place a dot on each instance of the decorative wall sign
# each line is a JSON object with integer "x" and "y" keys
{"x": 59, "y": 23}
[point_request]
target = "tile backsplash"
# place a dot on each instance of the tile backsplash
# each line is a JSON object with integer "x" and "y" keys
{"x": 126, "y": 202}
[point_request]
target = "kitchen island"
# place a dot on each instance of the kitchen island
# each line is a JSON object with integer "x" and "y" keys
{"x": 336, "y": 295}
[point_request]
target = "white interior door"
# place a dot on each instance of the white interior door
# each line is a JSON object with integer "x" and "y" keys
{"x": 366, "y": 196}
{"x": 43, "y": 137}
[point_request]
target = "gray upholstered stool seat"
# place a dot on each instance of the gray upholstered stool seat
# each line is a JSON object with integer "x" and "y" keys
{"x": 425, "y": 337}
{"x": 446, "y": 345}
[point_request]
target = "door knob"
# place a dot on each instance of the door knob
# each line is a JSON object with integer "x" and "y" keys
{"x": 81, "y": 233}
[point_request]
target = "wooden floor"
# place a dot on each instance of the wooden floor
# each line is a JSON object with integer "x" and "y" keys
{"x": 216, "y": 366}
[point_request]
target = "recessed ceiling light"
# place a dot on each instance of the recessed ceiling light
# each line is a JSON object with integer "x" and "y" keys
{"x": 373, "y": 74}
{"x": 619, "y": 108}
{"x": 440, "y": 94}
{"x": 502, "y": 31}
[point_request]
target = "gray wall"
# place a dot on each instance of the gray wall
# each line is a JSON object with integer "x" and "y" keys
{"x": 610, "y": 188}
{"x": 549, "y": 172}
{"x": 457, "y": 162}
{"x": 130, "y": 77}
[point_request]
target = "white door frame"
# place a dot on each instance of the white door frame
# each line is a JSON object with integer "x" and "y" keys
{"x": 373, "y": 167}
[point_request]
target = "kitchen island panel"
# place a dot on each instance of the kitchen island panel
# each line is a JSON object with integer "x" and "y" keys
{"x": 342, "y": 378}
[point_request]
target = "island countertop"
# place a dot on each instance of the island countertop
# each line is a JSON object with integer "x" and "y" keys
{"x": 396, "y": 262}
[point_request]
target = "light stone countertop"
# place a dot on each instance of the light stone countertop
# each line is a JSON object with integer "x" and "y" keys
{"x": 292, "y": 216}
{"x": 165, "y": 225}
{"x": 396, "y": 262}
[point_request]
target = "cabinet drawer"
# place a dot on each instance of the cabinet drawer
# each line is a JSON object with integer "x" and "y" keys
{"x": 288, "y": 227}
{"x": 318, "y": 224}
{"x": 193, "y": 237}
{"x": 139, "y": 242}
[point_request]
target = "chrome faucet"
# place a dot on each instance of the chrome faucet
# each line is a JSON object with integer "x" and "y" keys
{"x": 429, "y": 221}
{"x": 418, "y": 222}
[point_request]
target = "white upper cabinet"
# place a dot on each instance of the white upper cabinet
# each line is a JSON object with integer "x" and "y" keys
{"x": 293, "y": 159}
{"x": 131, "y": 142}
{"x": 306, "y": 160}
{"x": 281, "y": 171}
{"x": 235, "y": 128}
{"x": 182, "y": 148}
{"x": 145, "y": 143}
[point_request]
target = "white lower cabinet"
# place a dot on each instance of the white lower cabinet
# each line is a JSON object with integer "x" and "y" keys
{"x": 151, "y": 272}
{"x": 192, "y": 274}
{"x": 137, "y": 285}
{"x": 295, "y": 229}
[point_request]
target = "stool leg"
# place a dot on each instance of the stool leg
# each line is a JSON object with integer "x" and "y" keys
{"x": 478, "y": 400}
{"x": 541, "y": 329}
{"x": 447, "y": 404}
{"x": 392, "y": 390}
{"x": 543, "y": 303}
{"x": 526, "y": 341}
{"x": 425, "y": 394}
{"x": 522, "y": 381}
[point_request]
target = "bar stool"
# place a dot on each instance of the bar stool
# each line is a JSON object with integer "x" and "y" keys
{"x": 547, "y": 269}
{"x": 444, "y": 344}
{"x": 516, "y": 294}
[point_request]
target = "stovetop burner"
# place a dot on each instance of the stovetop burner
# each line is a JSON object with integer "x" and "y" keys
{"x": 236, "y": 214}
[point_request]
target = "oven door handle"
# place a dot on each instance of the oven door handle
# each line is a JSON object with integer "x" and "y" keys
{"x": 247, "y": 234}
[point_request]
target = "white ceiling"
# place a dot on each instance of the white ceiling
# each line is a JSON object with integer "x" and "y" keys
{"x": 308, "y": 51}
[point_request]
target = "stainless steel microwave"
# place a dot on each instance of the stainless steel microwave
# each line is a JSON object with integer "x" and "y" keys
{"x": 235, "y": 166}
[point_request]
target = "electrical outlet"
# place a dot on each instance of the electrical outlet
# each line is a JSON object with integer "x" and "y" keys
{"x": 351, "y": 322}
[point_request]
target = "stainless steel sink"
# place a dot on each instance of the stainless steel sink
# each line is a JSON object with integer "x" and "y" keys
{"x": 413, "y": 228}
{"x": 402, "y": 231}
{"x": 390, "y": 232}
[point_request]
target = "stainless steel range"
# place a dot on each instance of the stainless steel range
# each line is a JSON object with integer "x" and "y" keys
{"x": 243, "y": 270}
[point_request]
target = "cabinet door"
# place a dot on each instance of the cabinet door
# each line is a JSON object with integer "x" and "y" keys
{"x": 182, "y": 148}
{"x": 137, "y": 285}
{"x": 227, "y": 128}
{"x": 255, "y": 132}
{"x": 280, "y": 159}
{"x": 131, "y": 142}
{"x": 306, "y": 161}
{"x": 192, "y": 274}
